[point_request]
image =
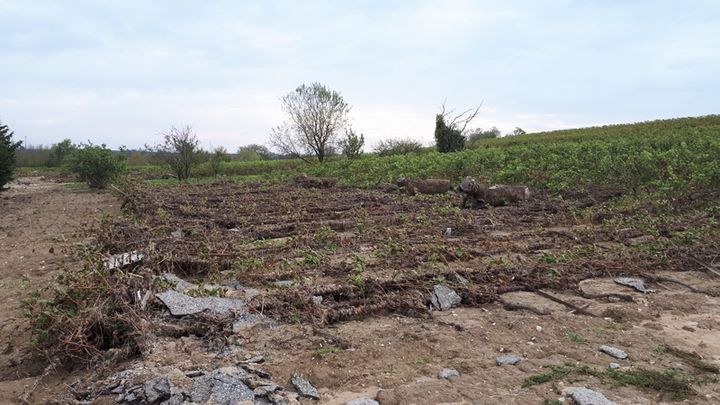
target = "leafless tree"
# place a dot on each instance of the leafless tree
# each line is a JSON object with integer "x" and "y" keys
{"x": 460, "y": 121}
{"x": 180, "y": 150}
{"x": 316, "y": 116}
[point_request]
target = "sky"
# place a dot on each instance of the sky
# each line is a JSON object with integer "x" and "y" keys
{"x": 123, "y": 72}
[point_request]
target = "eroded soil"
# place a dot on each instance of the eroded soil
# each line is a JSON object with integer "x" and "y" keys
{"x": 374, "y": 258}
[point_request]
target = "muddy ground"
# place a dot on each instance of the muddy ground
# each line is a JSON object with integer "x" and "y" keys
{"x": 374, "y": 258}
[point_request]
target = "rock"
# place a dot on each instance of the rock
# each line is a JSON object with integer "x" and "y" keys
{"x": 614, "y": 366}
{"x": 246, "y": 320}
{"x": 284, "y": 398}
{"x": 539, "y": 328}
{"x": 635, "y": 283}
{"x": 123, "y": 259}
{"x": 180, "y": 304}
{"x": 283, "y": 283}
{"x": 265, "y": 390}
{"x": 446, "y": 373}
{"x": 177, "y": 234}
{"x": 584, "y": 396}
{"x": 317, "y": 299}
{"x": 252, "y": 368}
{"x": 462, "y": 280}
{"x": 254, "y": 359}
{"x": 222, "y": 387}
{"x": 508, "y": 359}
{"x": 614, "y": 352}
{"x": 157, "y": 390}
{"x": 363, "y": 401}
{"x": 444, "y": 298}
{"x": 448, "y": 232}
{"x": 304, "y": 387}
{"x": 180, "y": 284}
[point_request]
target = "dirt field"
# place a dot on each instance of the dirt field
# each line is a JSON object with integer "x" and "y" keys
{"x": 374, "y": 258}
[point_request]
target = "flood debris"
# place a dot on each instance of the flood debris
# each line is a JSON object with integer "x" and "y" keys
{"x": 304, "y": 180}
{"x": 636, "y": 283}
{"x": 613, "y": 352}
{"x": 478, "y": 195}
{"x": 181, "y": 304}
{"x": 508, "y": 360}
{"x": 304, "y": 387}
{"x": 123, "y": 259}
{"x": 427, "y": 186}
{"x": 586, "y": 396}
{"x": 362, "y": 401}
{"x": 444, "y": 298}
{"x": 247, "y": 320}
{"x": 446, "y": 373}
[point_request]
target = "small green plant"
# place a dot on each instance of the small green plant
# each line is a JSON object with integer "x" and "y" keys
{"x": 248, "y": 263}
{"x": 311, "y": 258}
{"x": 352, "y": 144}
{"x": 206, "y": 291}
{"x": 422, "y": 361}
{"x": 357, "y": 263}
{"x": 575, "y": 338}
{"x": 95, "y": 165}
{"x": 356, "y": 280}
{"x": 327, "y": 351}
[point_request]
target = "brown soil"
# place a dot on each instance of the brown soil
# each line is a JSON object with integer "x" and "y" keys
{"x": 40, "y": 221}
{"x": 374, "y": 257}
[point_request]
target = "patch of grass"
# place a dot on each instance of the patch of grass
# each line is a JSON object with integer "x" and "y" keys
{"x": 423, "y": 361}
{"x": 249, "y": 263}
{"x": 356, "y": 280}
{"x": 671, "y": 382}
{"x": 575, "y": 338}
{"x": 203, "y": 291}
{"x": 326, "y": 351}
{"x": 311, "y": 258}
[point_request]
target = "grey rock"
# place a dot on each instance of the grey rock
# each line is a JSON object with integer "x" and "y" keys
{"x": 585, "y": 396}
{"x": 636, "y": 283}
{"x": 444, "y": 298}
{"x": 246, "y": 320}
{"x": 177, "y": 234}
{"x": 448, "y": 372}
{"x": 448, "y": 232}
{"x": 254, "y": 359}
{"x": 508, "y": 360}
{"x": 181, "y": 304}
{"x": 222, "y": 387}
{"x": 614, "y": 352}
{"x": 283, "y": 283}
{"x": 614, "y": 366}
{"x": 304, "y": 387}
{"x": 284, "y": 398}
{"x": 157, "y": 390}
{"x": 317, "y": 299}
{"x": 180, "y": 284}
{"x": 252, "y": 368}
{"x": 194, "y": 373}
{"x": 462, "y": 280}
{"x": 123, "y": 259}
{"x": 363, "y": 401}
{"x": 265, "y": 390}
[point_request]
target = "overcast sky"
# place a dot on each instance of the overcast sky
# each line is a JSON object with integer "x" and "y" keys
{"x": 121, "y": 72}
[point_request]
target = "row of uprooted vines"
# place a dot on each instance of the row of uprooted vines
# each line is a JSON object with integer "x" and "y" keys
{"x": 365, "y": 252}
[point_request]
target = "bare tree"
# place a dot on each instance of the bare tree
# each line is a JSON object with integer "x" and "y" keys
{"x": 316, "y": 115}
{"x": 460, "y": 121}
{"x": 450, "y": 129}
{"x": 180, "y": 150}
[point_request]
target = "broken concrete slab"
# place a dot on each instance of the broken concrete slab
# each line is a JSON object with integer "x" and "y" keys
{"x": 123, "y": 259}
{"x": 283, "y": 283}
{"x": 222, "y": 387}
{"x": 508, "y": 360}
{"x": 304, "y": 387}
{"x": 157, "y": 390}
{"x": 636, "y": 283}
{"x": 614, "y": 352}
{"x": 181, "y": 304}
{"x": 179, "y": 284}
{"x": 585, "y": 396}
{"x": 446, "y": 373}
{"x": 444, "y": 298}
{"x": 362, "y": 401}
{"x": 246, "y": 320}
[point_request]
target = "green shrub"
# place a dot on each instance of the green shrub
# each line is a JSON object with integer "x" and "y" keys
{"x": 96, "y": 165}
{"x": 448, "y": 138}
{"x": 7, "y": 155}
{"x": 352, "y": 144}
{"x": 59, "y": 151}
{"x": 390, "y": 147}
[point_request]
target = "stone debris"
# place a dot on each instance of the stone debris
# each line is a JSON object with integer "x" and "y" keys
{"x": 157, "y": 390}
{"x": 446, "y": 373}
{"x": 180, "y": 304}
{"x": 177, "y": 234}
{"x": 179, "y": 284}
{"x": 585, "y": 396}
{"x": 304, "y": 387}
{"x": 254, "y": 359}
{"x": 614, "y": 366}
{"x": 222, "y": 387}
{"x": 614, "y": 352}
{"x": 123, "y": 259}
{"x": 636, "y": 283}
{"x": 252, "y": 368}
{"x": 444, "y": 298}
{"x": 246, "y": 320}
{"x": 283, "y": 283}
{"x": 448, "y": 232}
{"x": 317, "y": 299}
{"x": 508, "y": 360}
{"x": 363, "y": 401}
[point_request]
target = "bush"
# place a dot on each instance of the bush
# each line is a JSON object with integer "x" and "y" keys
{"x": 391, "y": 147}
{"x": 95, "y": 165}
{"x": 59, "y": 152}
{"x": 352, "y": 144}
{"x": 448, "y": 138}
{"x": 180, "y": 150}
{"x": 7, "y": 155}
{"x": 217, "y": 158}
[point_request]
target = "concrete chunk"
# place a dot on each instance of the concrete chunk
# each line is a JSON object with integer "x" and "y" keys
{"x": 180, "y": 304}
{"x": 585, "y": 396}
{"x": 614, "y": 352}
{"x": 444, "y": 298}
{"x": 304, "y": 387}
{"x": 636, "y": 283}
